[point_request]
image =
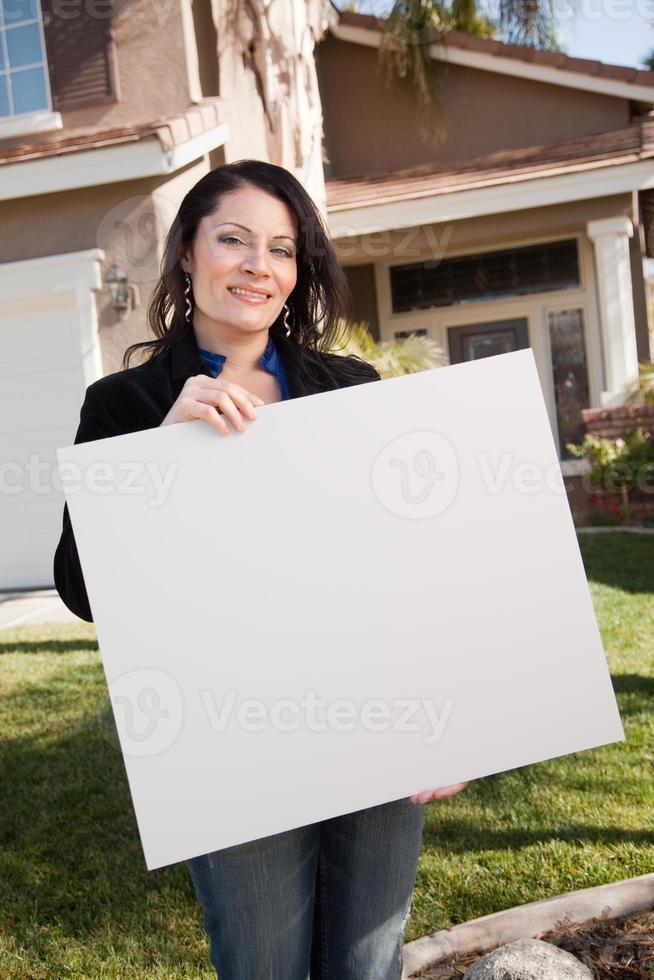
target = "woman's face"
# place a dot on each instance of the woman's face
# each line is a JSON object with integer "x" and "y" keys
{"x": 249, "y": 241}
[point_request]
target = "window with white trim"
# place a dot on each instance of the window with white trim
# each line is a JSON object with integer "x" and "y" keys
{"x": 24, "y": 81}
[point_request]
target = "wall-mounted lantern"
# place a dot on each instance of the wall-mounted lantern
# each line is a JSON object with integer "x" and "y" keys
{"x": 124, "y": 294}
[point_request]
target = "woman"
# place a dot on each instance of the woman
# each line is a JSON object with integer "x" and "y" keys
{"x": 245, "y": 313}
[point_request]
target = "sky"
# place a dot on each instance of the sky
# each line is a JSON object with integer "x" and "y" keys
{"x": 620, "y": 32}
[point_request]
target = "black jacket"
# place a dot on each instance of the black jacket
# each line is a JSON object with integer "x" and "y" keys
{"x": 140, "y": 398}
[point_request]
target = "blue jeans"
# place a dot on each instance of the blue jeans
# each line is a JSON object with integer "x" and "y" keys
{"x": 329, "y": 900}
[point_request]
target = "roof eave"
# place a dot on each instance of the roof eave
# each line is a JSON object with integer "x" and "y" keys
{"x": 434, "y": 207}
{"x": 367, "y": 30}
{"x": 131, "y": 159}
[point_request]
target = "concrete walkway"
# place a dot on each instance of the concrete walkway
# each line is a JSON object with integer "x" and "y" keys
{"x": 34, "y": 606}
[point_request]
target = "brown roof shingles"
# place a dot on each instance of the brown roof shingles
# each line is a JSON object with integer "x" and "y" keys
{"x": 634, "y": 142}
{"x": 171, "y": 132}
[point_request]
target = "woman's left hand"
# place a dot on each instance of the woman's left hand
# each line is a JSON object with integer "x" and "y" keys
{"x": 443, "y": 793}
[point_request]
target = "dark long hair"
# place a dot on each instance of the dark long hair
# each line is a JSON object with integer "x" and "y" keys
{"x": 321, "y": 297}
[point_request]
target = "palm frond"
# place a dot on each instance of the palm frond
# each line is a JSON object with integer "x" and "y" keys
{"x": 392, "y": 358}
{"x": 464, "y": 15}
{"x": 530, "y": 22}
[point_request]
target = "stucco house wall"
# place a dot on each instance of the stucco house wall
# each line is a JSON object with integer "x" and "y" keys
{"x": 482, "y": 112}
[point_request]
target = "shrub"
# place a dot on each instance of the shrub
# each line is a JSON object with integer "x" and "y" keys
{"x": 618, "y": 463}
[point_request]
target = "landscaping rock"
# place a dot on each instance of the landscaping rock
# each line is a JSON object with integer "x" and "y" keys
{"x": 528, "y": 959}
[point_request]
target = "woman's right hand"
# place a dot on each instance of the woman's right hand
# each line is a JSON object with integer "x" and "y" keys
{"x": 208, "y": 398}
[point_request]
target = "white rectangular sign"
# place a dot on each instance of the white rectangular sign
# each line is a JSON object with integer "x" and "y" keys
{"x": 369, "y": 592}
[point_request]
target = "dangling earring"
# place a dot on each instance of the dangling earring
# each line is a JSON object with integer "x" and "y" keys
{"x": 287, "y": 326}
{"x": 189, "y": 307}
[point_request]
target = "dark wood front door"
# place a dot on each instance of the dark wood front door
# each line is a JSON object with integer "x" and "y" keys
{"x": 476, "y": 340}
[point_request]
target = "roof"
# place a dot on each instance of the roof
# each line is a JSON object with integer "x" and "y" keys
{"x": 171, "y": 131}
{"x": 462, "y": 41}
{"x": 631, "y": 144}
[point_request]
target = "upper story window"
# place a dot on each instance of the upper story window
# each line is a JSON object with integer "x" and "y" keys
{"x": 24, "y": 85}
{"x": 485, "y": 275}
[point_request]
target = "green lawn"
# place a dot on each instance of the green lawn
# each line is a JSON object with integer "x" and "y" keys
{"x": 76, "y": 901}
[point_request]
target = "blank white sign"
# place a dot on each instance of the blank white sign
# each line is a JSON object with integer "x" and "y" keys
{"x": 369, "y": 592}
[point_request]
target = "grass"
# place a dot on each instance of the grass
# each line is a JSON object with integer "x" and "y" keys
{"x": 76, "y": 900}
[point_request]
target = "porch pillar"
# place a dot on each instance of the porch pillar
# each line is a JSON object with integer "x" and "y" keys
{"x": 610, "y": 238}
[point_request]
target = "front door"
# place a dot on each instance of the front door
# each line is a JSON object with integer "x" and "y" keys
{"x": 476, "y": 340}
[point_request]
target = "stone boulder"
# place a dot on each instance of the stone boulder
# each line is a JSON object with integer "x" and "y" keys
{"x": 528, "y": 959}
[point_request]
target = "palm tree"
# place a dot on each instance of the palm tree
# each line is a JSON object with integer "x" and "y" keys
{"x": 530, "y": 22}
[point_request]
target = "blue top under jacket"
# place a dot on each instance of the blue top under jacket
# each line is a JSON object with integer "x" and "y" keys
{"x": 270, "y": 360}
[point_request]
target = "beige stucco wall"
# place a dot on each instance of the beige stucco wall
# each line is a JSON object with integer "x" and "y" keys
{"x": 244, "y": 113}
{"x": 269, "y": 83}
{"x": 482, "y": 112}
{"x": 152, "y": 63}
{"x": 128, "y": 220}
{"x": 69, "y": 221}
{"x": 361, "y": 279}
{"x": 135, "y": 241}
{"x": 206, "y": 43}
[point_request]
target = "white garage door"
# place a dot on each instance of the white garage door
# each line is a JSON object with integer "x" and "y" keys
{"x": 49, "y": 354}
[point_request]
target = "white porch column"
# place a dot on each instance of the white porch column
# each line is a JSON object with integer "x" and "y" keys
{"x": 610, "y": 237}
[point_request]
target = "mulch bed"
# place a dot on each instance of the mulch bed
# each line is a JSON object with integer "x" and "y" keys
{"x": 619, "y": 949}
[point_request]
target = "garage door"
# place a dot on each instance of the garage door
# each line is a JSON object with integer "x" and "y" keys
{"x": 49, "y": 353}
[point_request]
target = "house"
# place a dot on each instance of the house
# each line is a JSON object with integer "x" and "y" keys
{"x": 524, "y": 222}
{"x": 527, "y": 221}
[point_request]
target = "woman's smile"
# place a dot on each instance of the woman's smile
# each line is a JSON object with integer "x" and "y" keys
{"x": 247, "y": 296}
